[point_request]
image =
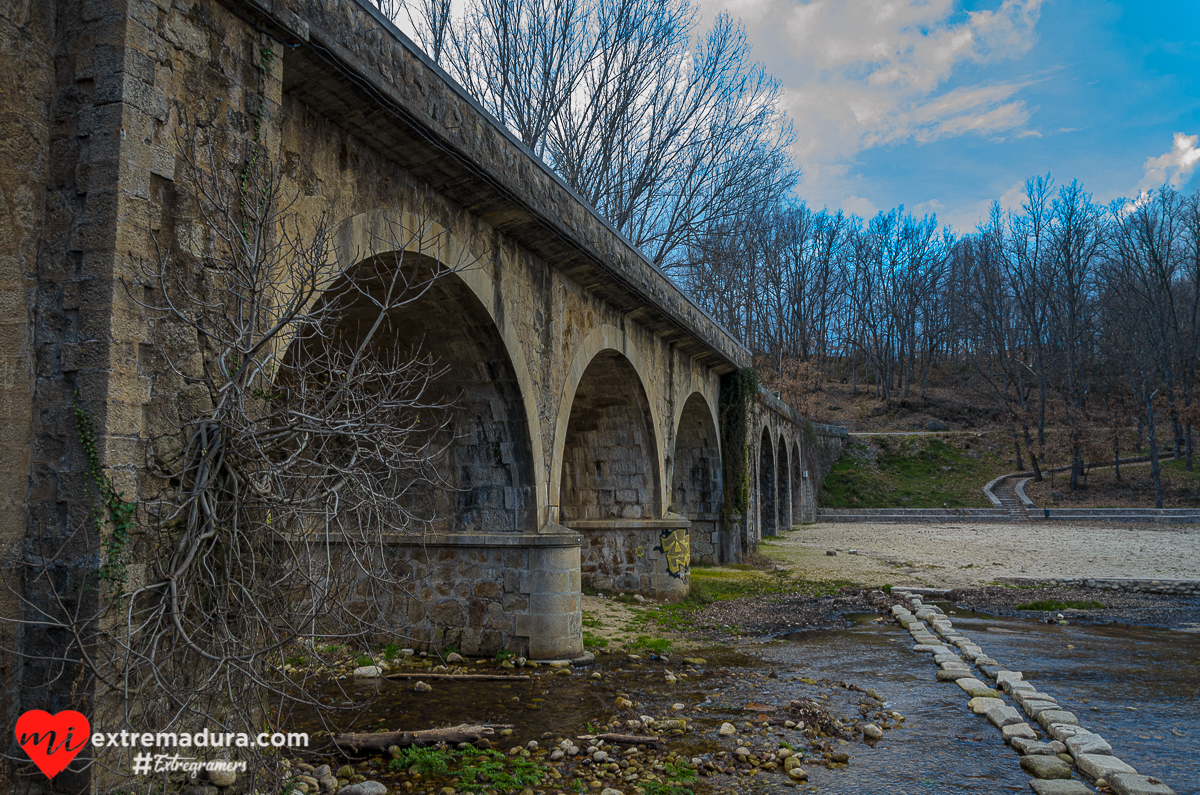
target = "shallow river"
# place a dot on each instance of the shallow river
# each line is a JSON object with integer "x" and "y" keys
{"x": 1138, "y": 687}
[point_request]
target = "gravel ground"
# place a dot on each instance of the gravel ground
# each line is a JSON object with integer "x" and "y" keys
{"x": 971, "y": 554}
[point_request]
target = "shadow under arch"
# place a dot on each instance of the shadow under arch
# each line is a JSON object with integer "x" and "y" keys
{"x": 606, "y": 340}
{"x": 798, "y": 474}
{"x": 767, "y": 525}
{"x": 784, "y": 483}
{"x": 376, "y": 233}
{"x": 696, "y": 491}
{"x": 485, "y": 461}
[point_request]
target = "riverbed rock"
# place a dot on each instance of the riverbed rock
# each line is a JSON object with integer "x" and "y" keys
{"x": 611, "y": 791}
{"x": 1101, "y": 765}
{"x": 1134, "y": 784}
{"x": 422, "y": 687}
{"x": 726, "y": 730}
{"x": 1003, "y": 715}
{"x": 368, "y": 671}
{"x": 798, "y": 773}
{"x": 872, "y": 732}
{"x": 1059, "y": 787}
{"x": 364, "y": 788}
{"x": 1088, "y": 743}
{"x": 454, "y": 658}
{"x": 1014, "y": 731}
{"x": 980, "y": 706}
{"x": 1045, "y": 767}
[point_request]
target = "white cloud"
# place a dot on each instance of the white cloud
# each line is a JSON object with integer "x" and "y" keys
{"x": 859, "y": 74}
{"x": 1174, "y": 167}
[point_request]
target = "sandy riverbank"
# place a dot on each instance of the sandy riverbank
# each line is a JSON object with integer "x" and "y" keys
{"x": 970, "y": 554}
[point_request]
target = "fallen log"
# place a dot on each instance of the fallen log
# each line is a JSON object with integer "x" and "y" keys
{"x": 475, "y": 677}
{"x": 623, "y": 739}
{"x": 381, "y": 741}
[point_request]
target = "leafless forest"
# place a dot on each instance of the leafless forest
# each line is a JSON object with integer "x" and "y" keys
{"x": 1064, "y": 312}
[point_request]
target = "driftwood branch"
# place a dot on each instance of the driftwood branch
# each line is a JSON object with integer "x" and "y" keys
{"x": 451, "y": 735}
{"x": 624, "y": 739}
{"x": 475, "y": 677}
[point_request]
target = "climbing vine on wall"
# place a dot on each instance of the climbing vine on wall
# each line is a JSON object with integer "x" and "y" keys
{"x": 119, "y": 513}
{"x": 738, "y": 391}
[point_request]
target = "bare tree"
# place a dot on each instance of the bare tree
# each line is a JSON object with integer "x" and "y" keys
{"x": 295, "y": 445}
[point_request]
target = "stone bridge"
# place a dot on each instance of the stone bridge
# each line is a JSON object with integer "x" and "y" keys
{"x": 590, "y": 449}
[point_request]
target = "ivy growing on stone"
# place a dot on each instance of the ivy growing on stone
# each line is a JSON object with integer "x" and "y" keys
{"x": 120, "y": 513}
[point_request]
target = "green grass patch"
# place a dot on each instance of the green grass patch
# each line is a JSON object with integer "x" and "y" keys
{"x": 1047, "y": 605}
{"x": 476, "y": 770}
{"x": 656, "y": 645}
{"x": 915, "y": 472}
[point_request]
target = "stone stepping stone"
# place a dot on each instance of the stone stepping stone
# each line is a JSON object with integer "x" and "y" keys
{"x": 1061, "y": 731}
{"x": 1005, "y": 679}
{"x": 1051, "y": 716}
{"x": 954, "y": 674}
{"x": 1101, "y": 765}
{"x": 1045, "y": 767}
{"x": 1021, "y": 696}
{"x": 1003, "y": 715}
{"x": 1134, "y": 784}
{"x": 990, "y": 671}
{"x": 983, "y": 659}
{"x": 1033, "y": 747}
{"x": 1088, "y": 743}
{"x": 1035, "y": 708}
{"x": 1059, "y": 787}
{"x": 975, "y": 689}
{"x": 956, "y": 664}
{"x": 980, "y": 706}
{"x": 1018, "y": 731}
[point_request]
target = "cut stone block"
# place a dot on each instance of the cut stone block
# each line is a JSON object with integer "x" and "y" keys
{"x": 1018, "y": 731}
{"x": 1035, "y": 708}
{"x": 1059, "y": 787}
{"x": 1006, "y": 678}
{"x": 1021, "y": 696}
{"x": 1088, "y": 743}
{"x": 1134, "y": 784}
{"x": 1101, "y": 765}
{"x": 980, "y": 706}
{"x": 954, "y": 674}
{"x": 1032, "y": 747}
{"x": 1045, "y": 767}
{"x": 976, "y": 689}
{"x": 929, "y": 647}
{"x": 1061, "y": 731}
{"x": 1003, "y": 716}
{"x": 1047, "y": 717}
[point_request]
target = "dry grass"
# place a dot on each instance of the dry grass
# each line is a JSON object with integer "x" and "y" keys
{"x": 1101, "y": 489}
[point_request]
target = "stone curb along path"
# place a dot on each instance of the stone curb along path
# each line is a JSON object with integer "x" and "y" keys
{"x": 1048, "y": 752}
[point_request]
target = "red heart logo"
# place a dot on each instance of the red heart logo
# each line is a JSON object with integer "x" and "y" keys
{"x": 52, "y": 741}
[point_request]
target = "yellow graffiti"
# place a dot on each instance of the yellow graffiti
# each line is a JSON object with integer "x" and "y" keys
{"x": 678, "y": 551}
{"x": 640, "y": 551}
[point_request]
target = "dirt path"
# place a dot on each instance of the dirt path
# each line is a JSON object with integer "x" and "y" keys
{"x": 967, "y": 554}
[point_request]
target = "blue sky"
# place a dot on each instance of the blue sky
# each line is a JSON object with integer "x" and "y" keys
{"x": 945, "y": 105}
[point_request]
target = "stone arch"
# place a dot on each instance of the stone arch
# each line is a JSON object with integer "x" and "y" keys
{"x": 766, "y": 485}
{"x": 604, "y": 339}
{"x": 492, "y": 465}
{"x": 609, "y": 464}
{"x": 784, "y": 483}
{"x": 696, "y": 481}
